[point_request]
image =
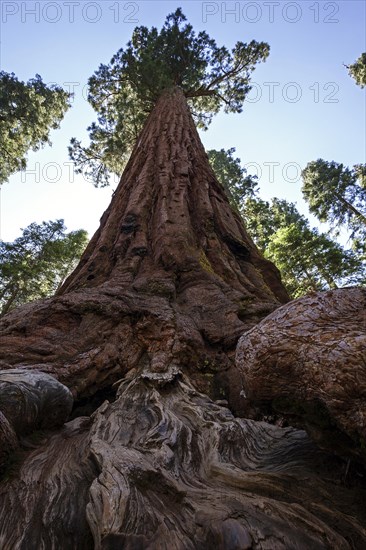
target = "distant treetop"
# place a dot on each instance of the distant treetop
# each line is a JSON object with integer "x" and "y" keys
{"x": 358, "y": 70}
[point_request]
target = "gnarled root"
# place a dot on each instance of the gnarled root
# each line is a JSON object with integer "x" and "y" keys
{"x": 165, "y": 467}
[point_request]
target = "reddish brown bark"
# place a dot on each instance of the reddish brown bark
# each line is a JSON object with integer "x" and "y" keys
{"x": 170, "y": 277}
{"x": 307, "y": 360}
{"x": 165, "y": 288}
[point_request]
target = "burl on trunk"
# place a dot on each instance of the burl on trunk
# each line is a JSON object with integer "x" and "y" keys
{"x": 154, "y": 310}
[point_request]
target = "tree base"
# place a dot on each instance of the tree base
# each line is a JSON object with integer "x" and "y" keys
{"x": 163, "y": 466}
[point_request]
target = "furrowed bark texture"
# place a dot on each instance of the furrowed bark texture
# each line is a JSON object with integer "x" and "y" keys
{"x": 308, "y": 361}
{"x": 170, "y": 277}
{"x": 164, "y": 290}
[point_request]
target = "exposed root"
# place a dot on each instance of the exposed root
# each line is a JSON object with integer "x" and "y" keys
{"x": 165, "y": 467}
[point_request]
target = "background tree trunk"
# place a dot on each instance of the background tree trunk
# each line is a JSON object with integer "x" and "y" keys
{"x": 147, "y": 322}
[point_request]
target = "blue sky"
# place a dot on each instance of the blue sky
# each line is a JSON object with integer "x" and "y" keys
{"x": 303, "y": 105}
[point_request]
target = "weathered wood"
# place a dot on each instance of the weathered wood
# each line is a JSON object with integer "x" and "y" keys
{"x": 8, "y": 441}
{"x": 43, "y": 497}
{"x": 165, "y": 467}
{"x": 29, "y": 401}
{"x": 33, "y": 400}
{"x": 308, "y": 360}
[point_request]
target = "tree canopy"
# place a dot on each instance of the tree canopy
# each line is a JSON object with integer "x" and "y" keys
{"x": 37, "y": 262}
{"x": 28, "y": 111}
{"x": 238, "y": 185}
{"x": 264, "y": 219}
{"x": 123, "y": 92}
{"x": 358, "y": 70}
{"x": 308, "y": 260}
{"x": 337, "y": 194}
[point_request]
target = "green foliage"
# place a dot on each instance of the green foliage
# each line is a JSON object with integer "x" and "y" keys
{"x": 35, "y": 264}
{"x": 232, "y": 176}
{"x": 312, "y": 261}
{"x": 124, "y": 91}
{"x": 28, "y": 111}
{"x": 358, "y": 70}
{"x": 337, "y": 195}
{"x": 263, "y": 219}
{"x": 307, "y": 259}
{"x": 360, "y": 173}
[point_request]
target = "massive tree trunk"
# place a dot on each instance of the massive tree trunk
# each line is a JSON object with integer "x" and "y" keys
{"x": 170, "y": 277}
{"x": 143, "y": 334}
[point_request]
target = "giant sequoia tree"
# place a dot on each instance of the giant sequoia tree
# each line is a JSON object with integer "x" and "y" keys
{"x": 142, "y": 338}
